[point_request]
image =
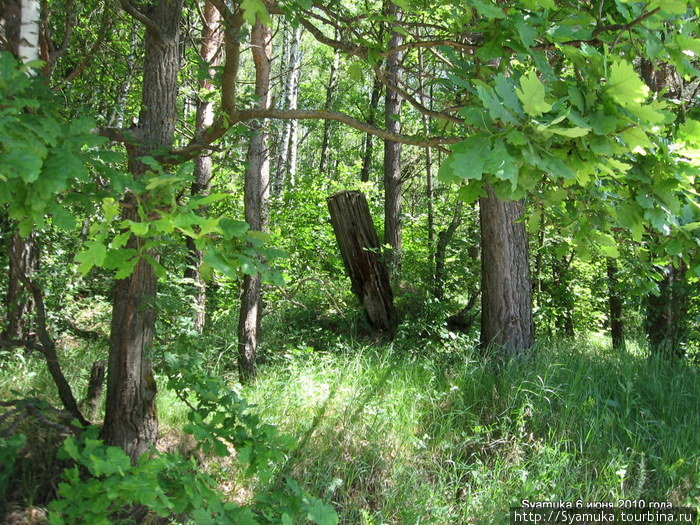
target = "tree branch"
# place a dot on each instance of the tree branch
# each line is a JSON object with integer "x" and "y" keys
{"x": 48, "y": 347}
{"x": 288, "y": 114}
{"x": 145, "y": 20}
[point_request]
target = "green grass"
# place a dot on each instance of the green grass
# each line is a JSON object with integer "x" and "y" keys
{"x": 391, "y": 435}
{"x": 391, "y": 438}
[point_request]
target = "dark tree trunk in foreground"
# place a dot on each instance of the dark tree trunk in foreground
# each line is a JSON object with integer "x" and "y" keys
{"x": 359, "y": 246}
{"x": 617, "y": 325}
{"x": 212, "y": 36}
{"x": 257, "y": 195}
{"x": 506, "y": 295}
{"x": 393, "y": 182}
{"x": 666, "y": 313}
{"x": 130, "y": 419}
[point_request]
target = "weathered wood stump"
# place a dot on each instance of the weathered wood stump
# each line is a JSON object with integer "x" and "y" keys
{"x": 359, "y": 246}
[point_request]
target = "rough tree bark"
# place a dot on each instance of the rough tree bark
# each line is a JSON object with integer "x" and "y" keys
{"x": 617, "y": 325}
{"x": 361, "y": 252}
{"x": 506, "y": 295}
{"x": 393, "y": 181}
{"x": 130, "y": 418}
{"x": 256, "y": 197}
{"x": 212, "y": 38}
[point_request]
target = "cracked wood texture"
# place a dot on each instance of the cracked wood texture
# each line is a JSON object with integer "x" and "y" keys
{"x": 506, "y": 292}
{"x": 360, "y": 249}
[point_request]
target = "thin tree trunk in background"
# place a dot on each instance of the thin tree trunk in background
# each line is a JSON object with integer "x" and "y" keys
{"x": 330, "y": 94}
{"x": 617, "y": 325}
{"x": 562, "y": 294}
{"x": 369, "y": 139}
{"x": 212, "y": 38}
{"x": 130, "y": 418}
{"x": 444, "y": 238}
{"x": 359, "y": 246}
{"x": 666, "y": 319}
{"x": 427, "y": 101}
{"x": 393, "y": 182}
{"x": 286, "y": 158}
{"x": 506, "y": 294}
{"x": 116, "y": 119}
{"x": 256, "y": 197}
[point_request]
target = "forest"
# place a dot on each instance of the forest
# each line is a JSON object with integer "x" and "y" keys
{"x": 349, "y": 261}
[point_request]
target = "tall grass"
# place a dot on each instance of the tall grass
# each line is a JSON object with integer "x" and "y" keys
{"x": 391, "y": 438}
{"x": 394, "y": 436}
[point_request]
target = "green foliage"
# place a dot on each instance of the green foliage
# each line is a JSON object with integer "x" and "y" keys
{"x": 45, "y": 161}
{"x": 166, "y": 484}
{"x": 9, "y": 452}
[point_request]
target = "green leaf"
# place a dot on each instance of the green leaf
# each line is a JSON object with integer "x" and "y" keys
{"x": 487, "y": 9}
{"x": 467, "y": 160}
{"x": 624, "y": 85}
{"x": 531, "y": 93}
{"x": 94, "y": 255}
{"x": 255, "y": 11}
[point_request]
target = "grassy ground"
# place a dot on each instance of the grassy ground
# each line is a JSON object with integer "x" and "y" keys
{"x": 392, "y": 435}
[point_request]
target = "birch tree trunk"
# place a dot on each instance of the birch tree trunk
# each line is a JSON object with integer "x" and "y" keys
{"x": 22, "y": 23}
{"x": 256, "y": 197}
{"x": 28, "y": 49}
{"x": 287, "y": 153}
{"x": 392, "y": 151}
{"x": 212, "y": 38}
{"x": 130, "y": 418}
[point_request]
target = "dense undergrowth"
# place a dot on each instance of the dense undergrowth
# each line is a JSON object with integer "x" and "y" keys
{"x": 426, "y": 430}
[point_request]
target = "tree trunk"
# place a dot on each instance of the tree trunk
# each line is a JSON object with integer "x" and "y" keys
{"x": 286, "y": 159}
{"x": 666, "y": 321}
{"x": 130, "y": 419}
{"x": 369, "y": 139}
{"x": 23, "y": 260}
{"x": 617, "y": 325}
{"x": 28, "y": 49}
{"x": 330, "y": 93}
{"x": 257, "y": 194}
{"x": 506, "y": 296}
{"x": 212, "y": 38}
{"x": 444, "y": 238}
{"x": 360, "y": 249}
{"x": 562, "y": 295}
{"x": 116, "y": 119}
{"x": 23, "y": 30}
{"x": 393, "y": 182}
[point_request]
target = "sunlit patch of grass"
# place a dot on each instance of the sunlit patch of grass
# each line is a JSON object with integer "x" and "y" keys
{"x": 392, "y": 438}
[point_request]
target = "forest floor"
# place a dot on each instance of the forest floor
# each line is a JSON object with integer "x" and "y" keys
{"x": 416, "y": 432}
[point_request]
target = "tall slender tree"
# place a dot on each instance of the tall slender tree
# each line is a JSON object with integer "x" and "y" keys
{"x": 256, "y": 199}
{"x": 393, "y": 179}
{"x": 212, "y": 39}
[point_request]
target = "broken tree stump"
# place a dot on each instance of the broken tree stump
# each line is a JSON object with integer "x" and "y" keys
{"x": 359, "y": 246}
